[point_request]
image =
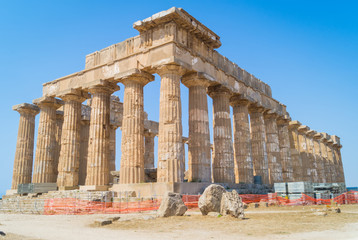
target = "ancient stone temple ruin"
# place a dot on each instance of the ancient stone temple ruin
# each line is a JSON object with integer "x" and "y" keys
{"x": 75, "y": 145}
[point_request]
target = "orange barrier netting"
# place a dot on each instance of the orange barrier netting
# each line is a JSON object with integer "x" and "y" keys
{"x": 78, "y": 207}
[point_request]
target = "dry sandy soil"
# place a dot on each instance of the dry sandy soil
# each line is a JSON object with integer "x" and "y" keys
{"x": 262, "y": 223}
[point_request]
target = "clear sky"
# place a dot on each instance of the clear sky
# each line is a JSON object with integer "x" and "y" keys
{"x": 307, "y": 51}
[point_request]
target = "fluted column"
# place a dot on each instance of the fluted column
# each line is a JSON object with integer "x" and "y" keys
{"x": 199, "y": 166}
{"x": 46, "y": 146}
{"x": 22, "y": 170}
{"x": 132, "y": 160}
{"x": 258, "y": 143}
{"x": 273, "y": 148}
{"x": 327, "y": 164}
{"x": 285, "y": 148}
{"x": 306, "y": 168}
{"x": 242, "y": 141}
{"x": 331, "y": 159}
{"x": 59, "y": 124}
{"x": 311, "y": 156}
{"x": 149, "y": 149}
{"x": 295, "y": 153}
{"x": 170, "y": 145}
{"x": 223, "y": 161}
{"x": 98, "y": 148}
{"x": 337, "y": 152}
{"x": 112, "y": 151}
{"x": 84, "y": 140}
{"x": 319, "y": 159}
{"x": 69, "y": 162}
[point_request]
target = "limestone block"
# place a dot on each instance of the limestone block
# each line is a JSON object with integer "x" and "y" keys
{"x": 232, "y": 205}
{"x": 171, "y": 205}
{"x": 210, "y": 200}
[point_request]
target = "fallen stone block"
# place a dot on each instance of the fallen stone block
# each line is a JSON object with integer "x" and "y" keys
{"x": 210, "y": 200}
{"x": 231, "y": 204}
{"x": 172, "y": 205}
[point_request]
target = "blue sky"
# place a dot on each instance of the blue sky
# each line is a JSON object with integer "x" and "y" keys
{"x": 307, "y": 51}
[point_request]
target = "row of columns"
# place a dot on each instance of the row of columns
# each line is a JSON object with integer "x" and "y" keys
{"x": 316, "y": 156}
{"x": 264, "y": 145}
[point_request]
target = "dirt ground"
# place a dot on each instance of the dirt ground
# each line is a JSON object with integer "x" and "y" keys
{"x": 299, "y": 222}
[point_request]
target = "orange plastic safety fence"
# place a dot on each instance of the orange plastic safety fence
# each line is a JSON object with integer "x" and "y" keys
{"x": 77, "y": 206}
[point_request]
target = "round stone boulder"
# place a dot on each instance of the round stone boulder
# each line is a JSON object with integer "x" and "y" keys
{"x": 210, "y": 200}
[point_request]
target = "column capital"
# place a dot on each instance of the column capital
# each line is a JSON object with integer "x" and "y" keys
{"x": 74, "y": 95}
{"x": 26, "y": 108}
{"x": 218, "y": 90}
{"x": 170, "y": 69}
{"x": 101, "y": 86}
{"x": 48, "y": 102}
{"x": 310, "y": 133}
{"x": 330, "y": 142}
{"x": 197, "y": 79}
{"x": 283, "y": 120}
{"x": 317, "y": 136}
{"x": 136, "y": 75}
{"x": 294, "y": 124}
{"x": 149, "y": 133}
{"x": 270, "y": 115}
{"x": 303, "y": 129}
{"x": 239, "y": 100}
{"x": 255, "y": 108}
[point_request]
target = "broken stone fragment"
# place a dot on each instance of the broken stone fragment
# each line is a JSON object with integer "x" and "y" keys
{"x": 172, "y": 205}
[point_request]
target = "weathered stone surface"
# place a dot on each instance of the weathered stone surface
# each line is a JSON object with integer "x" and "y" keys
{"x": 258, "y": 143}
{"x": 295, "y": 151}
{"x": 223, "y": 158}
{"x": 199, "y": 135}
{"x": 22, "y": 172}
{"x": 210, "y": 200}
{"x": 285, "y": 149}
{"x": 242, "y": 141}
{"x": 170, "y": 145}
{"x": 231, "y": 204}
{"x": 172, "y": 205}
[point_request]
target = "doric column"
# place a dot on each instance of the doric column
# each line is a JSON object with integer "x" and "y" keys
{"x": 223, "y": 161}
{"x": 132, "y": 160}
{"x": 306, "y": 166}
{"x": 242, "y": 140}
{"x": 45, "y": 166}
{"x": 59, "y": 124}
{"x": 295, "y": 153}
{"x": 22, "y": 171}
{"x": 98, "y": 148}
{"x": 149, "y": 149}
{"x": 112, "y": 150}
{"x": 319, "y": 159}
{"x": 69, "y": 161}
{"x": 285, "y": 148}
{"x": 199, "y": 167}
{"x": 311, "y": 156}
{"x": 170, "y": 145}
{"x": 258, "y": 143}
{"x": 84, "y": 133}
{"x": 327, "y": 164}
{"x": 273, "y": 148}
{"x": 337, "y": 152}
{"x": 331, "y": 159}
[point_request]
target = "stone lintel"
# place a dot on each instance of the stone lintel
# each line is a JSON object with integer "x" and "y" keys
{"x": 134, "y": 74}
{"x": 184, "y": 20}
{"x": 94, "y": 188}
{"x": 197, "y": 79}
{"x": 255, "y": 107}
{"x": 26, "y": 107}
{"x": 49, "y": 101}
